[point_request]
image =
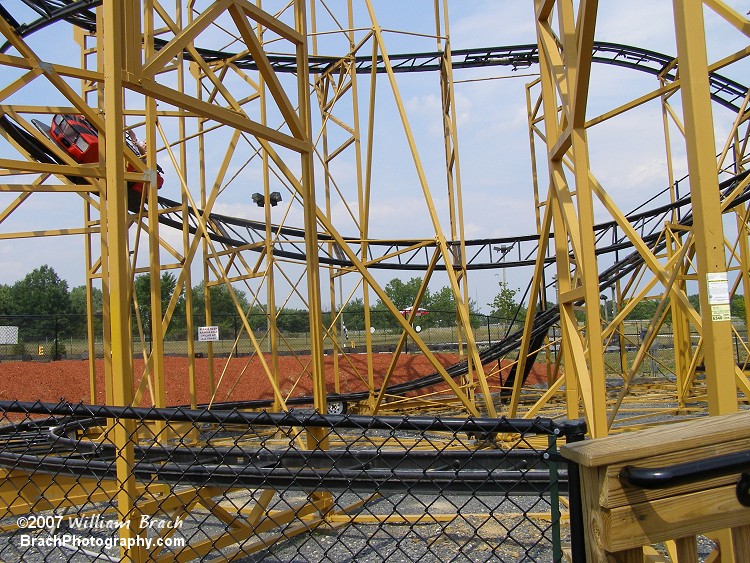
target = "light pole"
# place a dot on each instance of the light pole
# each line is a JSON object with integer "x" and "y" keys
{"x": 503, "y": 250}
{"x": 272, "y": 200}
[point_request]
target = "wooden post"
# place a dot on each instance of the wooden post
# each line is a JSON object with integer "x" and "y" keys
{"x": 620, "y": 519}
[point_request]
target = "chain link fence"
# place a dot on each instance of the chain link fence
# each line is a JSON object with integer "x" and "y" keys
{"x": 55, "y": 337}
{"x": 44, "y": 337}
{"x": 85, "y": 483}
{"x": 51, "y": 337}
{"x": 660, "y": 357}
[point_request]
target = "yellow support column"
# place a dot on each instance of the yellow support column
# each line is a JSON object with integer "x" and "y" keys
{"x": 311, "y": 225}
{"x": 743, "y": 233}
{"x": 154, "y": 248}
{"x": 713, "y": 287}
{"x": 565, "y": 62}
{"x": 114, "y": 15}
{"x": 704, "y": 188}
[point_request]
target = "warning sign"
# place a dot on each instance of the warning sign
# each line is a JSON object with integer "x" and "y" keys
{"x": 8, "y": 335}
{"x": 718, "y": 288}
{"x": 721, "y": 313}
{"x": 208, "y": 334}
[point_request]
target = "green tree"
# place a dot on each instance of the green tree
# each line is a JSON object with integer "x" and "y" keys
{"x": 41, "y": 292}
{"x": 294, "y": 320}
{"x": 78, "y": 310}
{"x": 644, "y": 310}
{"x": 442, "y": 307}
{"x": 504, "y": 305}
{"x": 223, "y": 310}
{"x": 354, "y": 314}
{"x": 78, "y": 300}
{"x": 381, "y": 317}
{"x": 44, "y": 294}
{"x": 6, "y": 300}
{"x": 142, "y": 289}
{"x": 738, "y": 307}
{"x": 403, "y": 295}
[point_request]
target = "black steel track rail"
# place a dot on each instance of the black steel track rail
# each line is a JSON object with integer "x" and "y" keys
{"x": 237, "y": 232}
{"x": 225, "y": 230}
{"x": 724, "y": 91}
{"x": 290, "y": 244}
{"x": 53, "y": 445}
{"x": 480, "y": 252}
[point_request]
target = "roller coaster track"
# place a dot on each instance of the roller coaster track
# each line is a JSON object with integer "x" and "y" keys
{"x": 402, "y": 254}
{"x": 405, "y": 255}
{"x": 58, "y": 445}
{"x": 724, "y": 91}
{"x": 243, "y": 233}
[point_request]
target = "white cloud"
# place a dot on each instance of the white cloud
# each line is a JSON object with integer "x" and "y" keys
{"x": 491, "y": 23}
{"x": 627, "y": 154}
{"x": 639, "y": 23}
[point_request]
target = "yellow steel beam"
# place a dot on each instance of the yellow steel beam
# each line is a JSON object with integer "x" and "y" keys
{"x": 310, "y": 211}
{"x": 382, "y": 295}
{"x": 149, "y": 87}
{"x": 157, "y": 61}
{"x": 584, "y": 45}
{"x": 651, "y": 333}
{"x": 704, "y": 188}
{"x": 402, "y": 340}
{"x": 118, "y": 313}
{"x": 295, "y": 35}
{"x": 269, "y": 75}
{"x": 462, "y": 307}
{"x": 665, "y": 90}
{"x": 154, "y": 246}
{"x": 730, "y": 15}
{"x": 536, "y": 282}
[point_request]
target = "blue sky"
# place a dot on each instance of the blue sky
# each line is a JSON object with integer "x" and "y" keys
{"x": 627, "y": 153}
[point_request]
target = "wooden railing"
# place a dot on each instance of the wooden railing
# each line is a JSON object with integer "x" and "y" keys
{"x": 696, "y": 492}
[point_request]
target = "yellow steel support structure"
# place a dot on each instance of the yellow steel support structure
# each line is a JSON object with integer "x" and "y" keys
{"x": 453, "y": 170}
{"x": 164, "y": 110}
{"x": 206, "y": 131}
{"x": 704, "y": 187}
{"x": 565, "y": 61}
{"x": 565, "y": 41}
{"x": 709, "y": 232}
{"x": 440, "y": 239}
{"x": 117, "y": 316}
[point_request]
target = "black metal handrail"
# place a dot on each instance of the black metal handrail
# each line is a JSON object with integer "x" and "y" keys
{"x": 692, "y": 472}
{"x": 687, "y": 472}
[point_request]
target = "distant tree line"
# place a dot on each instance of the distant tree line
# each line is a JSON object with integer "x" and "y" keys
{"x": 44, "y": 294}
{"x": 646, "y": 309}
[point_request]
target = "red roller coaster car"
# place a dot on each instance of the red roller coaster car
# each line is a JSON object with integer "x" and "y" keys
{"x": 81, "y": 141}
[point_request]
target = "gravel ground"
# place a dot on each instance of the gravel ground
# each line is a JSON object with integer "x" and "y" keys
{"x": 506, "y": 535}
{"x": 486, "y": 528}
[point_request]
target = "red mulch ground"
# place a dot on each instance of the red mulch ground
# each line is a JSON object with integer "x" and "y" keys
{"x": 244, "y": 378}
